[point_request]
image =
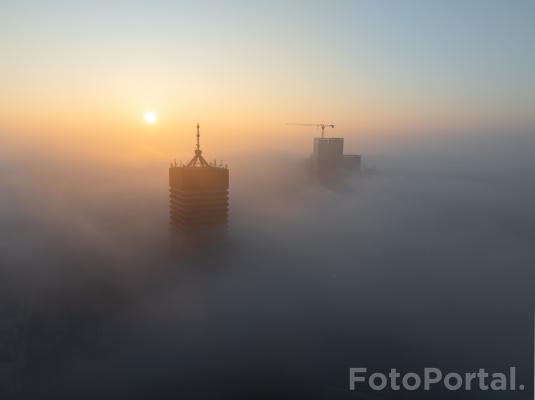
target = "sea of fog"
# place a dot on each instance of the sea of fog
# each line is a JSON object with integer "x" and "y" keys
{"x": 426, "y": 259}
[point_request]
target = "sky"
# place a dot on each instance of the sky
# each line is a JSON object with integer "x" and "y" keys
{"x": 85, "y": 72}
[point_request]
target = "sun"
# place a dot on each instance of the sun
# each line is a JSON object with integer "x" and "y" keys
{"x": 150, "y": 117}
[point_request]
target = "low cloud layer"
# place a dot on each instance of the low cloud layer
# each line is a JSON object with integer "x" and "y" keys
{"x": 424, "y": 260}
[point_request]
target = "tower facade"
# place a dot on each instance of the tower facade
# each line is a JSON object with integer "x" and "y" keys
{"x": 328, "y": 157}
{"x": 198, "y": 196}
{"x": 328, "y": 154}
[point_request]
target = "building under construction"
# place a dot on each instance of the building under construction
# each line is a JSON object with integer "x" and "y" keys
{"x": 328, "y": 157}
{"x": 199, "y": 196}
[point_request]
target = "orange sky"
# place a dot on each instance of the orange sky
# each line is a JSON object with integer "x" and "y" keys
{"x": 82, "y": 76}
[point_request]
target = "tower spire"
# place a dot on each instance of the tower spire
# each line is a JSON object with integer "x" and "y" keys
{"x": 198, "y": 137}
{"x": 198, "y": 153}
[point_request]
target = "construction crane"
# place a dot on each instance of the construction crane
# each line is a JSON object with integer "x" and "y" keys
{"x": 322, "y": 126}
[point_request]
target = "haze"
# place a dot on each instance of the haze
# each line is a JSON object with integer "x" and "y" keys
{"x": 425, "y": 259}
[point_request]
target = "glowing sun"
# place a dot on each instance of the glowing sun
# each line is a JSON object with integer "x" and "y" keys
{"x": 149, "y": 117}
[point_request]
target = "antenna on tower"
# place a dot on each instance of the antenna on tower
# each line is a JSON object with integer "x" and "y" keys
{"x": 198, "y": 153}
{"x": 198, "y": 136}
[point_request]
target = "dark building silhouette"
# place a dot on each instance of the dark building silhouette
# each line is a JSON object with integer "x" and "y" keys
{"x": 199, "y": 196}
{"x": 328, "y": 157}
{"x": 13, "y": 343}
{"x": 328, "y": 154}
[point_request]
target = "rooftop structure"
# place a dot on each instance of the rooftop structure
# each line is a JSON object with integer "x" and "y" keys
{"x": 198, "y": 195}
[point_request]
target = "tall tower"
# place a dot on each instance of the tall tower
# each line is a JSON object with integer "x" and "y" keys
{"x": 199, "y": 196}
